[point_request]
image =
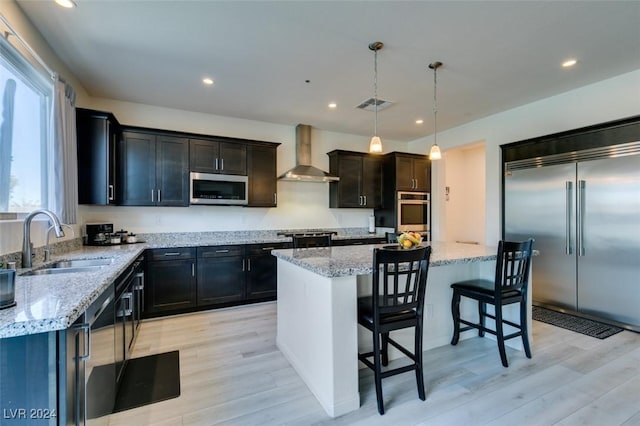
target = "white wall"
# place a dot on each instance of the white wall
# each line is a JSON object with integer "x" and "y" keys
{"x": 607, "y": 100}
{"x": 464, "y": 218}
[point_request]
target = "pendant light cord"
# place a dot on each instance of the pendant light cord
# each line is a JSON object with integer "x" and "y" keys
{"x": 435, "y": 105}
{"x": 375, "y": 92}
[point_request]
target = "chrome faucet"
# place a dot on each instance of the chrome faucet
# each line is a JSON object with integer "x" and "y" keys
{"x": 47, "y": 249}
{"x": 27, "y": 246}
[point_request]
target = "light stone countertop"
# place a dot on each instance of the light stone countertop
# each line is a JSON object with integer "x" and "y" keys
{"x": 53, "y": 302}
{"x": 335, "y": 262}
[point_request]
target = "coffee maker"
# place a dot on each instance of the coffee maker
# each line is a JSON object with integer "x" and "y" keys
{"x": 99, "y": 234}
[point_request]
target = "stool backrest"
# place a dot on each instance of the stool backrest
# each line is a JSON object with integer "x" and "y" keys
{"x": 392, "y": 237}
{"x": 399, "y": 279}
{"x": 307, "y": 241}
{"x": 512, "y": 265}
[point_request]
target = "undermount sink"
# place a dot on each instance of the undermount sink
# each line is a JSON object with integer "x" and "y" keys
{"x": 80, "y": 263}
{"x": 70, "y": 266}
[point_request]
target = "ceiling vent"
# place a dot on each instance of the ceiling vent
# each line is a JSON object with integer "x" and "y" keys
{"x": 370, "y": 104}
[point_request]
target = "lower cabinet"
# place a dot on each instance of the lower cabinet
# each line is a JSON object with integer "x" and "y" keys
{"x": 262, "y": 270}
{"x": 220, "y": 274}
{"x": 170, "y": 280}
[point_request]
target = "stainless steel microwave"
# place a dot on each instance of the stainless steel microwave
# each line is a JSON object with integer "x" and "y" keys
{"x": 209, "y": 188}
{"x": 414, "y": 211}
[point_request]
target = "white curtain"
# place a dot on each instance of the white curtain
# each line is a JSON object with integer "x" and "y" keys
{"x": 63, "y": 182}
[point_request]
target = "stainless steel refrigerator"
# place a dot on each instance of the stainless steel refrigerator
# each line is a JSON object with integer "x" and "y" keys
{"x": 583, "y": 210}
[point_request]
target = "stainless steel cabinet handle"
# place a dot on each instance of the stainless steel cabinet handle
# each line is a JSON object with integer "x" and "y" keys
{"x": 222, "y": 164}
{"x": 569, "y": 214}
{"x": 267, "y": 248}
{"x": 216, "y": 163}
{"x": 86, "y": 329}
{"x": 172, "y": 253}
{"x": 249, "y": 264}
{"x": 159, "y": 198}
{"x": 193, "y": 269}
{"x": 242, "y": 265}
{"x": 222, "y": 251}
{"x": 111, "y": 192}
{"x": 152, "y": 194}
{"x": 581, "y": 211}
{"x": 365, "y": 200}
{"x": 275, "y": 198}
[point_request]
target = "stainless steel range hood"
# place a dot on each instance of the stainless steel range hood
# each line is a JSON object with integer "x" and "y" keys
{"x": 304, "y": 171}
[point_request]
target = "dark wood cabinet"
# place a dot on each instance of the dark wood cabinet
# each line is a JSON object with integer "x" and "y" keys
{"x": 170, "y": 280}
{"x": 261, "y": 169}
{"x": 360, "y": 184}
{"x": 211, "y": 156}
{"x": 262, "y": 270}
{"x": 221, "y": 271}
{"x": 97, "y": 135}
{"x": 410, "y": 172}
{"x": 154, "y": 170}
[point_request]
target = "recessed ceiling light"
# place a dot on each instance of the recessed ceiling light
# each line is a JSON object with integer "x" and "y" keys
{"x": 420, "y": 121}
{"x": 569, "y": 63}
{"x": 208, "y": 81}
{"x": 333, "y": 105}
{"x": 66, "y": 3}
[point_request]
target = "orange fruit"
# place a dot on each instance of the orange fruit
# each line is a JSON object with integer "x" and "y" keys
{"x": 407, "y": 243}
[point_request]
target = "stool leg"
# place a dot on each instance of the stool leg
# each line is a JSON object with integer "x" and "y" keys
{"x": 418, "y": 356}
{"x": 455, "y": 313}
{"x": 482, "y": 311}
{"x": 524, "y": 329}
{"x": 500, "y": 336}
{"x": 377, "y": 371}
{"x": 385, "y": 349}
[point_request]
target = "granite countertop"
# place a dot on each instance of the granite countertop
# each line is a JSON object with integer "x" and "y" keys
{"x": 53, "y": 302}
{"x": 335, "y": 262}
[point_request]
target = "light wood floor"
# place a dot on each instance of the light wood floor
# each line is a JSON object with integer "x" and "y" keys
{"x": 232, "y": 373}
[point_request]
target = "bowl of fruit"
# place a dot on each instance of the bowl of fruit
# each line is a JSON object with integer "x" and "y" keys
{"x": 408, "y": 240}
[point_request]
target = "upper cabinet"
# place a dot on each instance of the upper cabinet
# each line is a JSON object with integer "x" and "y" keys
{"x": 261, "y": 169}
{"x": 360, "y": 184}
{"x": 98, "y": 134}
{"x": 409, "y": 172}
{"x": 210, "y": 156}
{"x": 154, "y": 170}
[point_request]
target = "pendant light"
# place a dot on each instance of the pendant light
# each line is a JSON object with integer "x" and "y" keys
{"x": 375, "y": 146}
{"x": 434, "y": 153}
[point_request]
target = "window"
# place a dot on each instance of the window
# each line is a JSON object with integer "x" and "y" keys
{"x": 25, "y": 107}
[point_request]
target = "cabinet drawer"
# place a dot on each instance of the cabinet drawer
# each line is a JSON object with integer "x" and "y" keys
{"x": 265, "y": 248}
{"x": 221, "y": 251}
{"x": 172, "y": 253}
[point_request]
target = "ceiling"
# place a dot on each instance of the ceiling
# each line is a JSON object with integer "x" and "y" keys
{"x": 497, "y": 56}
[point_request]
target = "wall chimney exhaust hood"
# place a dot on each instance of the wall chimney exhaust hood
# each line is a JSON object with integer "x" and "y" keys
{"x": 304, "y": 171}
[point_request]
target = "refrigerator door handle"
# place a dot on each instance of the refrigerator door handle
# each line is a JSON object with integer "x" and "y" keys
{"x": 569, "y": 214}
{"x": 580, "y": 217}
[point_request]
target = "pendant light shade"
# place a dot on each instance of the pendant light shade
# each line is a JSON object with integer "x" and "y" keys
{"x": 375, "y": 146}
{"x": 434, "y": 153}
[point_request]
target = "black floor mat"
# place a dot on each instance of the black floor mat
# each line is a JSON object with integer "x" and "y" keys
{"x": 149, "y": 379}
{"x": 574, "y": 323}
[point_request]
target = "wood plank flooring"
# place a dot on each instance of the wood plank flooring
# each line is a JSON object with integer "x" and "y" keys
{"x": 233, "y": 374}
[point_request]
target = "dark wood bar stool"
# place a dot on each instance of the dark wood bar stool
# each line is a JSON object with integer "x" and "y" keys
{"x": 397, "y": 302}
{"x": 509, "y": 286}
{"x": 308, "y": 241}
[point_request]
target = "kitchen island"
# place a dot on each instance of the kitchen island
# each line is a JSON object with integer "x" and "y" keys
{"x": 317, "y": 328}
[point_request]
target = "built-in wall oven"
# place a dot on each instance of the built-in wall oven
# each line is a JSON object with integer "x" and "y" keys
{"x": 414, "y": 212}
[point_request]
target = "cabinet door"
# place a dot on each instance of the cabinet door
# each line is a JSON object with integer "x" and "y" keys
{"x": 350, "y": 183}
{"x": 172, "y": 171}
{"x": 171, "y": 285}
{"x": 262, "y": 276}
{"x": 422, "y": 174}
{"x": 233, "y": 159}
{"x": 261, "y": 169}
{"x": 203, "y": 156}
{"x": 372, "y": 181}
{"x": 97, "y": 139}
{"x": 137, "y": 169}
{"x": 220, "y": 280}
{"x": 404, "y": 173}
